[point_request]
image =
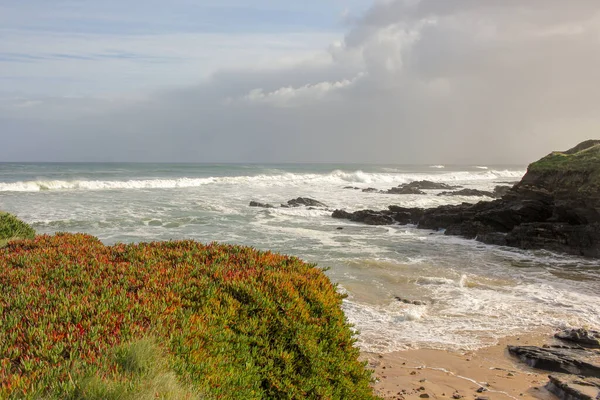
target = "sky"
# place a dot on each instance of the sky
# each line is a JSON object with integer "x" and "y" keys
{"x": 353, "y": 81}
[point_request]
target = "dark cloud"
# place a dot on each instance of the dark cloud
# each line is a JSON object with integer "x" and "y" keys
{"x": 461, "y": 81}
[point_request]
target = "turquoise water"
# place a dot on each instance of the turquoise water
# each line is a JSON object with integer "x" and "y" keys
{"x": 475, "y": 293}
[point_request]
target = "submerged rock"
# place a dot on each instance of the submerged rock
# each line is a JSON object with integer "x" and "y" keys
{"x": 305, "y": 201}
{"x": 261, "y": 205}
{"x": 404, "y": 190}
{"x": 429, "y": 185}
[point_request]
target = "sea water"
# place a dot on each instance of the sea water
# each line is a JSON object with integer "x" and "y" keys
{"x": 473, "y": 293}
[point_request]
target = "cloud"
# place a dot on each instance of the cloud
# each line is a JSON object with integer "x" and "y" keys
{"x": 429, "y": 81}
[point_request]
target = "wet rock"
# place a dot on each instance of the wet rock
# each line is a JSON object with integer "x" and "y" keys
{"x": 261, "y": 205}
{"x": 305, "y": 201}
{"x": 582, "y": 337}
{"x": 341, "y": 214}
{"x": 568, "y": 388}
{"x": 368, "y": 217}
{"x": 501, "y": 190}
{"x": 352, "y": 188}
{"x": 370, "y": 190}
{"x": 556, "y": 360}
{"x": 468, "y": 192}
{"x": 429, "y": 185}
{"x": 404, "y": 190}
{"x": 413, "y": 302}
{"x": 556, "y": 206}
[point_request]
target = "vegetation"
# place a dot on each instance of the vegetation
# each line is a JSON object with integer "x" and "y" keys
{"x": 577, "y": 168}
{"x": 172, "y": 320}
{"x": 11, "y": 228}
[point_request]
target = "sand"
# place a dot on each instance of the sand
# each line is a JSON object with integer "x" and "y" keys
{"x": 439, "y": 374}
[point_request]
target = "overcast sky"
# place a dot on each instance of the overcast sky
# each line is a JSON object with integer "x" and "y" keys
{"x": 395, "y": 81}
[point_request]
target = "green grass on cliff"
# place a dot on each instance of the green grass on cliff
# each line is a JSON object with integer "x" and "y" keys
{"x": 171, "y": 320}
{"x": 11, "y": 228}
{"x": 583, "y": 159}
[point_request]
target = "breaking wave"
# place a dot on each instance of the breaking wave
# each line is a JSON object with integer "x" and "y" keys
{"x": 286, "y": 179}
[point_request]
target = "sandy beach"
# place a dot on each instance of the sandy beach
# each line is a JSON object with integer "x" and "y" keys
{"x": 487, "y": 373}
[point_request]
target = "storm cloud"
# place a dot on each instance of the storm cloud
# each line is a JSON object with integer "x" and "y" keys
{"x": 430, "y": 81}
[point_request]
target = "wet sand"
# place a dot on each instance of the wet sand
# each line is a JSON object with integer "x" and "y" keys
{"x": 488, "y": 373}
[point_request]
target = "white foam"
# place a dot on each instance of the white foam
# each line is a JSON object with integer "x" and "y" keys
{"x": 334, "y": 178}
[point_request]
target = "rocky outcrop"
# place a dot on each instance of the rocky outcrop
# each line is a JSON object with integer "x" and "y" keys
{"x": 468, "y": 192}
{"x": 555, "y": 360}
{"x": 578, "y": 366}
{"x": 556, "y": 206}
{"x": 581, "y": 337}
{"x": 570, "y": 388}
{"x": 404, "y": 190}
{"x": 305, "y": 201}
{"x": 261, "y": 205}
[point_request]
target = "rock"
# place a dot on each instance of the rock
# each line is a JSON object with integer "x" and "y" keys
{"x": 404, "y": 190}
{"x": 352, "y": 187}
{"x": 501, "y": 191}
{"x": 371, "y": 217}
{"x": 341, "y": 214}
{"x": 573, "y": 389}
{"x": 424, "y": 396}
{"x": 555, "y": 360}
{"x": 429, "y": 185}
{"x": 468, "y": 192}
{"x": 305, "y": 201}
{"x": 413, "y": 302}
{"x": 368, "y": 217}
{"x": 261, "y": 205}
{"x": 582, "y": 337}
{"x": 556, "y": 206}
{"x": 370, "y": 190}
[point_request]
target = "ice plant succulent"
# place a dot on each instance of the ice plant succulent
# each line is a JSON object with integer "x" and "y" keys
{"x": 229, "y": 322}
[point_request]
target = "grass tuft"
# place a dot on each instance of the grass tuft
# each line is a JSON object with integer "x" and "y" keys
{"x": 12, "y": 228}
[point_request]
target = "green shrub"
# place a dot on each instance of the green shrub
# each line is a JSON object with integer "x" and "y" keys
{"x": 12, "y": 228}
{"x": 227, "y": 322}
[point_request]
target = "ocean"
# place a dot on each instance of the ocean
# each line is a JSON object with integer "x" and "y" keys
{"x": 474, "y": 294}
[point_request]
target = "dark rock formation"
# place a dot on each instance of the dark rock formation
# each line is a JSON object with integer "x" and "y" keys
{"x": 556, "y": 206}
{"x": 413, "y": 302}
{"x": 404, "y": 190}
{"x": 429, "y": 185}
{"x": 468, "y": 192}
{"x": 370, "y": 190}
{"x": 368, "y": 217}
{"x": 555, "y": 360}
{"x": 582, "y": 337}
{"x": 352, "y": 187}
{"x": 261, "y": 205}
{"x": 501, "y": 191}
{"x": 566, "y": 388}
{"x": 305, "y": 201}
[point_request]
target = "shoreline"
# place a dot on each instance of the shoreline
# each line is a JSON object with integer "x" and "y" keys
{"x": 455, "y": 374}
